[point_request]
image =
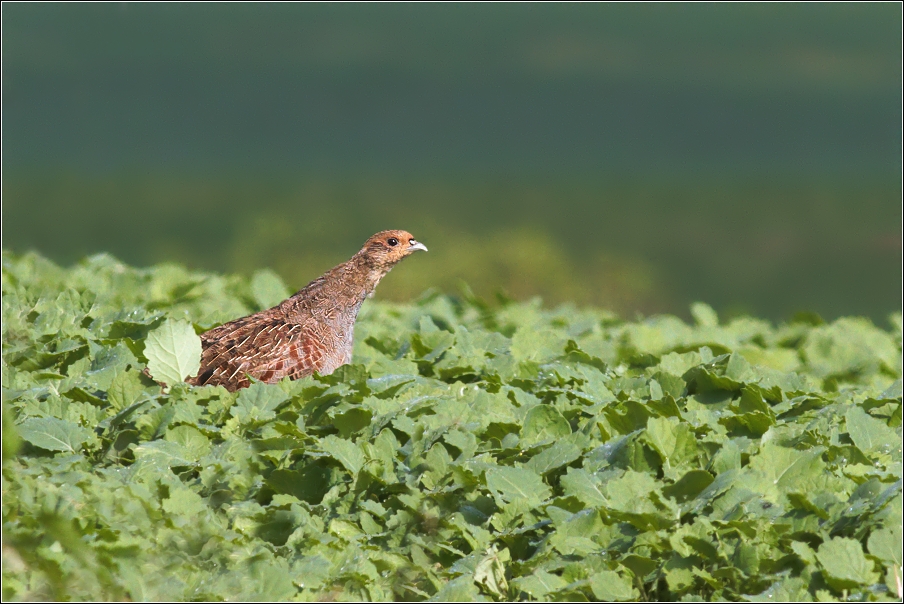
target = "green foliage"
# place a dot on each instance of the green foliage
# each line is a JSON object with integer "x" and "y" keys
{"x": 471, "y": 452}
{"x": 54, "y": 434}
{"x": 173, "y": 351}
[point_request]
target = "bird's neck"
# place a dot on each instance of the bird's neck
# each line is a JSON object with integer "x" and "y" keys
{"x": 358, "y": 277}
{"x": 341, "y": 288}
{"x": 338, "y": 294}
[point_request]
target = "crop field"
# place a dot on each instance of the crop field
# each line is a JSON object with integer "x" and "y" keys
{"x": 472, "y": 451}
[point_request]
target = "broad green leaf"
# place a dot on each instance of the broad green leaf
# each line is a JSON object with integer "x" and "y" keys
{"x": 689, "y": 486}
{"x": 556, "y": 456}
{"x": 631, "y": 491}
{"x": 727, "y": 458}
{"x": 586, "y": 487}
{"x": 609, "y": 586}
{"x": 885, "y": 544}
{"x": 490, "y": 572}
{"x": 152, "y": 423}
{"x": 870, "y": 434}
{"x": 845, "y": 565}
{"x": 792, "y": 589}
{"x": 184, "y": 502}
{"x": 345, "y": 452}
{"x": 195, "y": 444}
{"x": 540, "y": 584}
{"x": 639, "y": 565}
{"x": 677, "y": 364}
{"x": 516, "y": 483}
{"x": 125, "y": 389}
{"x": 173, "y": 351}
{"x": 165, "y": 453}
{"x": 540, "y": 346}
{"x": 54, "y": 434}
{"x": 789, "y": 469}
{"x": 679, "y": 579}
{"x": 581, "y": 533}
{"x": 351, "y": 420}
{"x": 672, "y": 439}
{"x": 753, "y": 424}
{"x": 461, "y": 589}
{"x": 258, "y": 402}
{"x": 543, "y": 423}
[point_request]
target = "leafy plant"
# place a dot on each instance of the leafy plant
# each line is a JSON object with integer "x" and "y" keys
{"x": 471, "y": 452}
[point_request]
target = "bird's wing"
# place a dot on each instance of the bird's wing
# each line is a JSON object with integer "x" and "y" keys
{"x": 266, "y": 348}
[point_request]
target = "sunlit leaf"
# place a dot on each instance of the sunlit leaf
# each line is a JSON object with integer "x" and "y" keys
{"x": 173, "y": 351}
{"x": 53, "y": 434}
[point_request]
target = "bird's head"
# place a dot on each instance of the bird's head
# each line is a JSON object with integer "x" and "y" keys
{"x": 388, "y": 247}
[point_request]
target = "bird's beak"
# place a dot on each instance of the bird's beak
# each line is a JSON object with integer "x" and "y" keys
{"x": 417, "y": 245}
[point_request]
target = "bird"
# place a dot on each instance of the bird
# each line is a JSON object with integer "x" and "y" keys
{"x": 312, "y": 331}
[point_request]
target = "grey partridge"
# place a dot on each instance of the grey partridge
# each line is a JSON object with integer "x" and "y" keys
{"x": 311, "y": 331}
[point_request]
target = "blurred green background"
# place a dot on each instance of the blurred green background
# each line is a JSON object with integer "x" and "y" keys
{"x": 633, "y": 156}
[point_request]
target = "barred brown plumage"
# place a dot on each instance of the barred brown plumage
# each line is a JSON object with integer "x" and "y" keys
{"x": 311, "y": 331}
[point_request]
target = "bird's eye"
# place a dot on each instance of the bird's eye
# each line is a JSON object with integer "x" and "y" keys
{"x": 392, "y": 241}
